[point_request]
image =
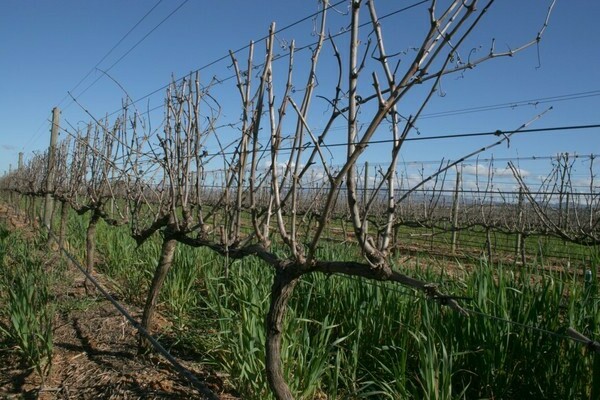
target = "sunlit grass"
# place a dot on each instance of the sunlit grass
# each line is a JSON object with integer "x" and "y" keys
{"x": 351, "y": 338}
{"x": 25, "y": 301}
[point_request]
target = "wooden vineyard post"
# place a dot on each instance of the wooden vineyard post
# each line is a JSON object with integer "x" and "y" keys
{"x": 10, "y": 195}
{"x": 566, "y": 224}
{"x": 365, "y": 197}
{"x": 488, "y": 245}
{"x": 49, "y": 205}
{"x": 17, "y": 203}
{"x": 519, "y": 240}
{"x": 455, "y": 213}
{"x": 17, "y": 198}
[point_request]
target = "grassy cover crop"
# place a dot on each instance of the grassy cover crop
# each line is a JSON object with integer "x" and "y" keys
{"x": 347, "y": 338}
{"x": 26, "y": 312}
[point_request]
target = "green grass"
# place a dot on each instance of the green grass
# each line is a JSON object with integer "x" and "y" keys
{"x": 538, "y": 248}
{"x": 129, "y": 267}
{"x": 350, "y": 338}
{"x": 26, "y": 302}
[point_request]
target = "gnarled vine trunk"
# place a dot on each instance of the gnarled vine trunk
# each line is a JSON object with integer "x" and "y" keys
{"x": 90, "y": 252}
{"x": 167, "y": 253}
{"x": 283, "y": 286}
{"x": 64, "y": 212}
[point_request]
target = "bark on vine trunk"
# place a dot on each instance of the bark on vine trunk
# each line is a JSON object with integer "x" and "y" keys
{"x": 283, "y": 287}
{"x": 488, "y": 244}
{"x": 63, "y": 224}
{"x": 164, "y": 264}
{"x": 52, "y": 216}
{"x": 31, "y": 210}
{"x": 90, "y": 252}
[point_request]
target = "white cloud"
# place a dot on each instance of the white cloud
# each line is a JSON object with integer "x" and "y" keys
{"x": 473, "y": 169}
{"x": 508, "y": 172}
{"x": 482, "y": 170}
{"x": 280, "y": 165}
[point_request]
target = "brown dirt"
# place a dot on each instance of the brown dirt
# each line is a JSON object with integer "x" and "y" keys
{"x": 95, "y": 352}
{"x": 12, "y": 220}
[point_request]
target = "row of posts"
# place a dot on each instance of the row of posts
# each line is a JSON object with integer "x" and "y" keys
{"x": 20, "y": 165}
{"x": 48, "y": 201}
{"x": 49, "y": 204}
{"x": 455, "y": 212}
{"x": 455, "y": 226}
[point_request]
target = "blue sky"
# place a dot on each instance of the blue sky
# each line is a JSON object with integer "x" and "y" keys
{"x": 47, "y": 47}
